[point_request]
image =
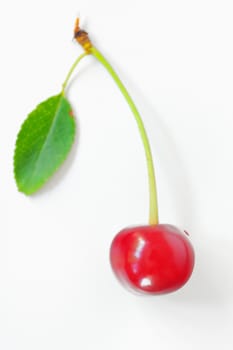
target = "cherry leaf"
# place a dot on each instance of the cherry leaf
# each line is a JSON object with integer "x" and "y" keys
{"x": 43, "y": 143}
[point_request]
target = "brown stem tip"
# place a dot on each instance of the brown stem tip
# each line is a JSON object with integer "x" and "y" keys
{"x": 81, "y": 36}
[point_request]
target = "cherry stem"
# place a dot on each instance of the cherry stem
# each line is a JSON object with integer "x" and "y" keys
{"x": 153, "y": 214}
{"x": 74, "y": 65}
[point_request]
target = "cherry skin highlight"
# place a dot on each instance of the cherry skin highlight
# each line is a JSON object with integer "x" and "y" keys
{"x": 153, "y": 259}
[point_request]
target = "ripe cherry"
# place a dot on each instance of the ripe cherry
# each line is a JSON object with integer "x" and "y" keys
{"x": 153, "y": 259}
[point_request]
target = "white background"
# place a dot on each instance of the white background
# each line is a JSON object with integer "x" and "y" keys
{"x": 57, "y": 290}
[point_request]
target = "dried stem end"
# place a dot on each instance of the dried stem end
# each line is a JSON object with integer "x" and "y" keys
{"x": 81, "y": 36}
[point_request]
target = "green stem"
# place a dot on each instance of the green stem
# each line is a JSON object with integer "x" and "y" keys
{"x": 153, "y": 215}
{"x": 74, "y": 65}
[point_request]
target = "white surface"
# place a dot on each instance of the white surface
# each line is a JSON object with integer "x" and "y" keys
{"x": 57, "y": 290}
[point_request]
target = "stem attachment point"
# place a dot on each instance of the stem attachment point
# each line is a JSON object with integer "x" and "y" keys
{"x": 81, "y": 36}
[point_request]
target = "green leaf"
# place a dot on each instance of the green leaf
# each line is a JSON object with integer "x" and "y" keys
{"x": 43, "y": 143}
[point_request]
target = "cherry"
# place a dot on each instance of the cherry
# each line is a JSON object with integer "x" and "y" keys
{"x": 153, "y": 259}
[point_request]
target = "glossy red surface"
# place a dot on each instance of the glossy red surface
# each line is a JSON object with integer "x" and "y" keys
{"x": 152, "y": 259}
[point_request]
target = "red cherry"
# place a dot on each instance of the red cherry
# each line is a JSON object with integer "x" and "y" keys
{"x": 153, "y": 259}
